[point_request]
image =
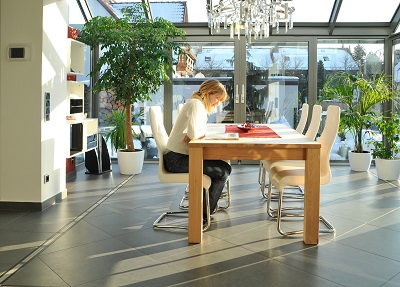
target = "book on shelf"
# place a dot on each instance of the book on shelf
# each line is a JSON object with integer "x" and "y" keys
{"x": 222, "y": 136}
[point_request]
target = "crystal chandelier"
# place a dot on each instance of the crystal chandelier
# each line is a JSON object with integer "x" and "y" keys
{"x": 253, "y": 16}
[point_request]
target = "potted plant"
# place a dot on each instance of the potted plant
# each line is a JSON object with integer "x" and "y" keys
{"x": 387, "y": 147}
{"x": 135, "y": 58}
{"x": 117, "y": 137}
{"x": 360, "y": 96}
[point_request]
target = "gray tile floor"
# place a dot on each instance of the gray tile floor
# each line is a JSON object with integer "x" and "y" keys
{"x": 102, "y": 235}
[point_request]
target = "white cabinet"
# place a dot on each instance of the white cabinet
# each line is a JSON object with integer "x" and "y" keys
{"x": 83, "y": 135}
{"x": 75, "y": 97}
{"x": 83, "y": 132}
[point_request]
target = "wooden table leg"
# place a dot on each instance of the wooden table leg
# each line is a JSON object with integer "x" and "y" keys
{"x": 195, "y": 224}
{"x": 312, "y": 196}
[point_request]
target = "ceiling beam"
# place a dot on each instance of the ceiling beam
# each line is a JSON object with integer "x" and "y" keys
{"x": 395, "y": 22}
{"x": 334, "y": 15}
{"x": 148, "y": 13}
{"x": 85, "y": 10}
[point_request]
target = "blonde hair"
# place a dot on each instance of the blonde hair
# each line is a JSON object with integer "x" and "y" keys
{"x": 207, "y": 88}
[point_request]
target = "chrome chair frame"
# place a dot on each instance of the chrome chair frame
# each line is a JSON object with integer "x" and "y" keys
{"x": 226, "y": 194}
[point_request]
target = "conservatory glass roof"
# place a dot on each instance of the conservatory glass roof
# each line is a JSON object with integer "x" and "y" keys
{"x": 309, "y": 10}
{"x": 323, "y": 13}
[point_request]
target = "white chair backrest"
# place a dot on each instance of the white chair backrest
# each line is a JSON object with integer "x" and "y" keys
{"x": 160, "y": 136}
{"x": 303, "y": 118}
{"x": 157, "y": 127}
{"x": 315, "y": 121}
{"x": 327, "y": 140}
{"x": 179, "y": 108}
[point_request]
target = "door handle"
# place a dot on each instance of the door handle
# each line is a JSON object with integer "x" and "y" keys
{"x": 243, "y": 94}
{"x": 237, "y": 95}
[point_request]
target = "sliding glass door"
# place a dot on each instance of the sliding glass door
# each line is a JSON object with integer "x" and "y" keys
{"x": 203, "y": 61}
{"x": 276, "y": 82}
{"x": 266, "y": 82}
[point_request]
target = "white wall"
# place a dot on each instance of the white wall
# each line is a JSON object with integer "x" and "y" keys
{"x": 55, "y": 133}
{"x": 30, "y": 147}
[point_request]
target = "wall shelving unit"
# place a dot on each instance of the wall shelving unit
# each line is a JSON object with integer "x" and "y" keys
{"x": 83, "y": 134}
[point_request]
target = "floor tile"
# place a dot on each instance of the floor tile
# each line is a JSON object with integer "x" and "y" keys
{"x": 102, "y": 235}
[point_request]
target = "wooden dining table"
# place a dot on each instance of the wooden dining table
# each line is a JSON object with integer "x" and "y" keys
{"x": 290, "y": 145}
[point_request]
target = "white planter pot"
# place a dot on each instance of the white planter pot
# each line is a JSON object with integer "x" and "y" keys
{"x": 360, "y": 161}
{"x": 388, "y": 169}
{"x": 130, "y": 162}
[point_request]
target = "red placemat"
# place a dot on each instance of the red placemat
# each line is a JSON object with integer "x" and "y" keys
{"x": 259, "y": 132}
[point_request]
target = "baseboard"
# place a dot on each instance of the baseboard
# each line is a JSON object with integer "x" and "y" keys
{"x": 30, "y": 206}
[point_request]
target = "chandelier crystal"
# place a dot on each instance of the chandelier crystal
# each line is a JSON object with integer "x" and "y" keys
{"x": 253, "y": 16}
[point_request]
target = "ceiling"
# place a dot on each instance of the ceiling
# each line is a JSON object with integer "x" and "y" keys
{"x": 330, "y": 15}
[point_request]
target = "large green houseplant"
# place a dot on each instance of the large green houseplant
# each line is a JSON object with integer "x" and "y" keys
{"x": 136, "y": 56}
{"x": 386, "y": 147}
{"x": 360, "y": 97}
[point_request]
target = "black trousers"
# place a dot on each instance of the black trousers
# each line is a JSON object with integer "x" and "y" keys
{"x": 217, "y": 170}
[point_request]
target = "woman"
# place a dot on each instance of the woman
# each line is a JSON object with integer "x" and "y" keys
{"x": 191, "y": 124}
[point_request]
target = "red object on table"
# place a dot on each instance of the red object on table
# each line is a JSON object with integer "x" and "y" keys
{"x": 258, "y": 132}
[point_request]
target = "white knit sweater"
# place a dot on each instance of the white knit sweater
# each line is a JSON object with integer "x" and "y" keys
{"x": 191, "y": 121}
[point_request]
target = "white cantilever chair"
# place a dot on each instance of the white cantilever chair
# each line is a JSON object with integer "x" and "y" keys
{"x": 282, "y": 176}
{"x": 311, "y": 133}
{"x": 161, "y": 138}
{"x": 300, "y": 128}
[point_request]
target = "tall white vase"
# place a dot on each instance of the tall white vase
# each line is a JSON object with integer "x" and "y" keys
{"x": 388, "y": 169}
{"x": 130, "y": 162}
{"x": 360, "y": 161}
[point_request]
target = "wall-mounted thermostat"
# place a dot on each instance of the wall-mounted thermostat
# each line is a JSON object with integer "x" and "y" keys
{"x": 19, "y": 52}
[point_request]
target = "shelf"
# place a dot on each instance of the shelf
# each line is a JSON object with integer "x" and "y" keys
{"x": 83, "y": 131}
{"x": 75, "y": 95}
{"x": 83, "y": 136}
{"x": 76, "y": 59}
{"x": 75, "y": 89}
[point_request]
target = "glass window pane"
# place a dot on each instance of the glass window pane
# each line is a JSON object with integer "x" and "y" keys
{"x": 396, "y": 64}
{"x": 396, "y": 68}
{"x": 172, "y": 10}
{"x": 366, "y": 11}
{"x": 312, "y": 10}
{"x": 397, "y": 29}
{"x": 353, "y": 57}
{"x": 277, "y": 82}
{"x": 211, "y": 61}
